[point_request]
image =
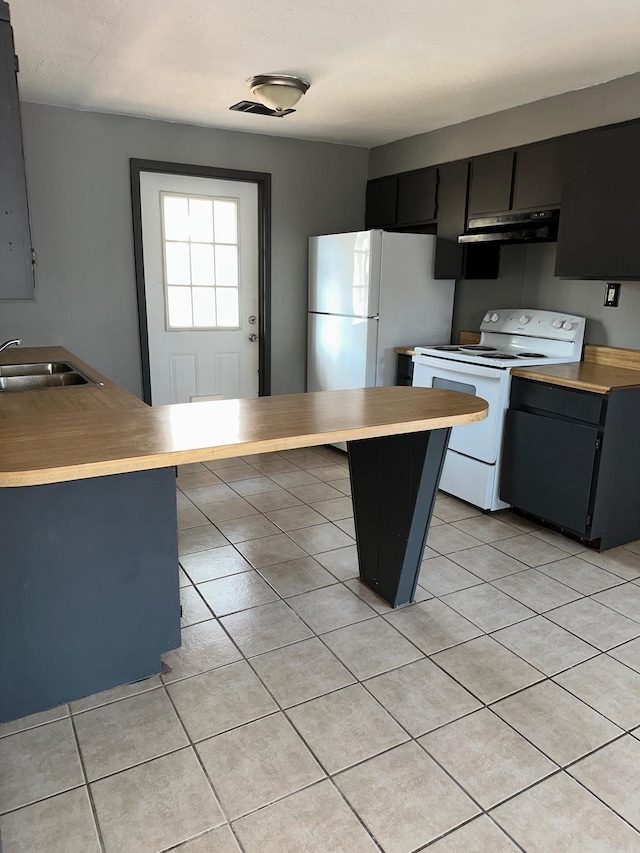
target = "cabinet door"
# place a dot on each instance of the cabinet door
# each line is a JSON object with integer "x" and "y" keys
{"x": 16, "y": 266}
{"x": 490, "y": 186}
{"x": 452, "y": 212}
{"x": 453, "y": 259}
{"x": 537, "y": 183}
{"x": 382, "y": 196}
{"x": 600, "y": 218}
{"x": 548, "y": 468}
{"x": 417, "y": 197}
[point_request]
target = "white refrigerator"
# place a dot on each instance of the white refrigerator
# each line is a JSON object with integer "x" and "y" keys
{"x": 369, "y": 292}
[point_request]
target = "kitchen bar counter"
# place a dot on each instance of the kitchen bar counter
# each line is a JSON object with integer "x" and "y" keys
{"x": 89, "y": 597}
{"x": 79, "y": 444}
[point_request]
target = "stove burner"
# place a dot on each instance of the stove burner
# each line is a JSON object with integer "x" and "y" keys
{"x": 477, "y": 348}
{"x": 531, "y": 355}
{"x": 502, "y": 356}
{"x": 447, "y": 348}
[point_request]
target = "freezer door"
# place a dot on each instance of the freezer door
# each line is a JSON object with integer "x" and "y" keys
{"x": 344, "y": 274}
{"x": 341, "y": 352}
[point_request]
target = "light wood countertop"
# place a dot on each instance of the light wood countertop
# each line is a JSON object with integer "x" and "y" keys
{"x": 583, "y": 375}
{"x": 106, "y": 396}
{"x": 604, "y": 369}
{"x": 48, "y": 445}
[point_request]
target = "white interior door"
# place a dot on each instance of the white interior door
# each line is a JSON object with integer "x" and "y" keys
{"x": 200, "y": 246}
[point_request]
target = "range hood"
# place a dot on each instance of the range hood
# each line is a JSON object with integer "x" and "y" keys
{"x": 541, "y": 226}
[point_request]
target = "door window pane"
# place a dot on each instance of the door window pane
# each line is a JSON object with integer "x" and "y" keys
{"x": 179, "y": 307}
{"x": 226, "y": 221}
{"x": 178, "y": 266}
{"x": 202, "y": 265}
{"x": 201, "y": 220}
{"x": 228, "y": 310}
{"x": 204, "y": 307}
{"x": 227, "y": 266}
{"x": 176, "y": 218}
{"x": 202, "y": 275}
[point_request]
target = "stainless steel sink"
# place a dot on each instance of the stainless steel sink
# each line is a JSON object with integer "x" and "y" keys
{"x": 42, "y": 368}
{"x": 41, "y": 376}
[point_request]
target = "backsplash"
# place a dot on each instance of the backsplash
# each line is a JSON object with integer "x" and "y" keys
{"x": 527, "y": 280}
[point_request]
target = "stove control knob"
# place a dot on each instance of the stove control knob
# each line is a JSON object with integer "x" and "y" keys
{"x": 524, "y": 319}
{"x": 568, "y": 325}
{"x": 487, "y": 317}
{"x": 495, "y": 318}
{"x": 557, "y": 324}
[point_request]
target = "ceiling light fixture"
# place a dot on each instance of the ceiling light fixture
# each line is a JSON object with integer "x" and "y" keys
{"x": 278, "y": 92}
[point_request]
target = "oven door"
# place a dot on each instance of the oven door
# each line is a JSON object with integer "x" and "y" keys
{"x": 480, "y": 440}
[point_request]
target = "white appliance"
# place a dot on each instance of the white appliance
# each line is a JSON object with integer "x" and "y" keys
{"x": 508, "y": 337}
{"x": 369, "y": 292}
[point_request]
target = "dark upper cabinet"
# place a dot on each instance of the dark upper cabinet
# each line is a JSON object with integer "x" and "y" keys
{"x": 452, "y": 259}
{"x": 490, "y": 183}
{"x": 600, "y": 217}
{"x": 537, "y": 182}
{"x": 16, "y": 265}
{"x": 417, "y": 197}
{"x": 382, "y": 199}
{"x": 452, "y": 208}
{"x": 529, "y": 178}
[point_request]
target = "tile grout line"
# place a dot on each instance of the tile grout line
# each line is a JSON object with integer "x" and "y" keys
{"x": 92, "y": 805}
{"x": 192, "y": 747}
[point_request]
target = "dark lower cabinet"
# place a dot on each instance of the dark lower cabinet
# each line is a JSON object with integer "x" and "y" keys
{"x": 572, "y": 459}
{"x": 404, "y": 370}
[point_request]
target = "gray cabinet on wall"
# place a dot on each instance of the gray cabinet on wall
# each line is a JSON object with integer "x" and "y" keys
{"x": 16, "y": 256}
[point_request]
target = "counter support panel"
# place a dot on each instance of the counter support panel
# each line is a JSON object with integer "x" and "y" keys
{"x": 89, "y": 587}
{"x": 394, "y": 482}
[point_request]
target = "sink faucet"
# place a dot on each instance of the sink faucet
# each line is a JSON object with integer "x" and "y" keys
{"x": 14, "y": 342}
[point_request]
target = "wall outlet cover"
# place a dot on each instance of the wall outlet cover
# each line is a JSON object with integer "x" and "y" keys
{"x": 612, "y": 294}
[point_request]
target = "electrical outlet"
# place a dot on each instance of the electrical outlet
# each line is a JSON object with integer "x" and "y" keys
{"x": 612, "y": 294}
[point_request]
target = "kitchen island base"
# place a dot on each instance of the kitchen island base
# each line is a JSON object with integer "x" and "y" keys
{"x": 90, "y": 595}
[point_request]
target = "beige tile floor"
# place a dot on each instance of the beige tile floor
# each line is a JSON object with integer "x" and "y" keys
{"x": 500, "y": 712}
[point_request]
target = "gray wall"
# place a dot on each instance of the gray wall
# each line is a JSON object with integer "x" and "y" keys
{"x": 527, "y": 281}
{"x": 78, "y": 182}
{"x": 617, "y": 100}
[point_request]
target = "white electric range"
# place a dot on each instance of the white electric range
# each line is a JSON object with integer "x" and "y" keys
{"x": 509, "y": 337}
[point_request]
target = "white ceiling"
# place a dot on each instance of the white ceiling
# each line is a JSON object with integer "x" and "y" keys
{"x": 380, "y": 70}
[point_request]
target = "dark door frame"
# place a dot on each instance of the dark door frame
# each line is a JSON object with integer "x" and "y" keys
{"x": 263, "y": 182}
